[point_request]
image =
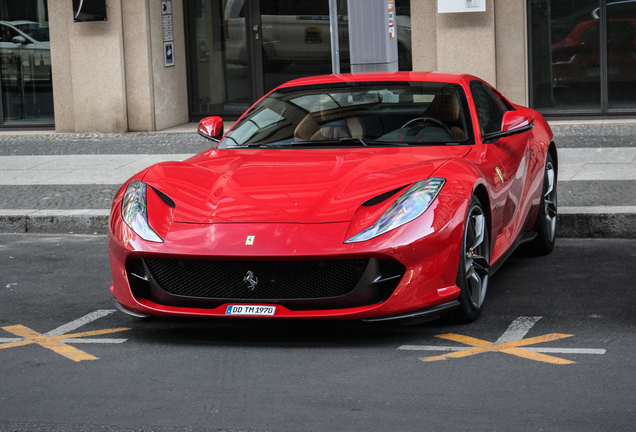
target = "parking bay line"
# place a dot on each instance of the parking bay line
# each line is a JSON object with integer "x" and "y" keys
{"x": 539, "y": 350}
{"x": 72, "y": 341}
{"x": 57, "y": 339}
{"x": 73, "y": 325}
{"x": 510, "y": 342}
{"x": 80, "y": 322}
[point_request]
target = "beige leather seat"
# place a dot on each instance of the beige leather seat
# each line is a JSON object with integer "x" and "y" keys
{"x": 325, "y": 126}
{"x": 446, "y": 108}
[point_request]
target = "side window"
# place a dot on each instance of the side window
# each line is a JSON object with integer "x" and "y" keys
{"x": 7, "y": 34}
{"x": 489, "y": 108}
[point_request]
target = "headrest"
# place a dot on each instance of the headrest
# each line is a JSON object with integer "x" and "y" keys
{"x": 444, "y": 108}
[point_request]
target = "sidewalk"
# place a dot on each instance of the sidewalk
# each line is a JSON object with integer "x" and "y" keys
{"x": 66, "y": 182}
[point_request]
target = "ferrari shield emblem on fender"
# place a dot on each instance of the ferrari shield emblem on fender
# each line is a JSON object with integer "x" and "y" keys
{"x": 249, "y": 241}
{"x": 500, "y": 174}
{"x": 251, "y": 280}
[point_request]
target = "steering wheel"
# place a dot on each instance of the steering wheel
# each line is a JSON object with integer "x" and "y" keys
{"x": 429, "y": 119}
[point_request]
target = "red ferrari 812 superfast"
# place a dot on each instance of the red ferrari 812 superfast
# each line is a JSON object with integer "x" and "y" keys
{"x": 366, "y": 196}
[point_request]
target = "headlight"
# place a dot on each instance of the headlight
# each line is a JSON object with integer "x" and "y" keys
{"x": 410, "y": 205}
{"x": 134, "y": 211}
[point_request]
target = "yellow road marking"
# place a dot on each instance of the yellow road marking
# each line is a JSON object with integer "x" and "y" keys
{"x": 53, "y": 342}
{"x": 482, "y": 346}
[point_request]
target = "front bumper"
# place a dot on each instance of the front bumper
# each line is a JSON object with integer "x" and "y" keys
{"x": 427, "y": 250}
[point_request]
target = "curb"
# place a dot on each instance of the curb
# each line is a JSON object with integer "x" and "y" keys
{"x": 55, "y": 222}
{"x": 597, "y": 225}
{"x": 572, "y": 222}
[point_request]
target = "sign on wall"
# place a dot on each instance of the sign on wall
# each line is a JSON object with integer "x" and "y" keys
{"x": 454, "y": 6}
{"x": 168, "y": 52}
{"x": 89, "y": 10}
{"x": 392, "y": 30}
{"x": 168, "y": 36}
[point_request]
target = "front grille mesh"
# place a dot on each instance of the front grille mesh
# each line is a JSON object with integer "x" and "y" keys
{"x": 282, "y": 280}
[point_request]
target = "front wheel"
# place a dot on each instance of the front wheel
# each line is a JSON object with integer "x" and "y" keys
{"x": 474, "y": 265}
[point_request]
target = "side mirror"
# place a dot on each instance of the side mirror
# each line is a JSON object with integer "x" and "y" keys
{"x": 512, "y": 123}
{"x": 513, "y": 120}
{"x": 211, "y": 128}
{"x": 19, "y": 40}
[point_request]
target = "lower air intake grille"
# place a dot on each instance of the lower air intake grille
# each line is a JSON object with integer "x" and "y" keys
{"x": 281, "y": 280}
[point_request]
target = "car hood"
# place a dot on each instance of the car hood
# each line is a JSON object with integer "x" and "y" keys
{"x": 290, "y": 186}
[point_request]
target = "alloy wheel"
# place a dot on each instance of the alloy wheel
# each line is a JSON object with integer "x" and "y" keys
{"x": 549, "y": 198}
{"x": 477, "y": 265}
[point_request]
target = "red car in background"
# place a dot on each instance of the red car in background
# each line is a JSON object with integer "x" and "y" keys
{"x": 576, "y": 59}
{"x": 369, "y": 196}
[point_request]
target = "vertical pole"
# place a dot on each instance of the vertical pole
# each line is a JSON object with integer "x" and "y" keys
{"x": 41, "y": 13}
{"x": 335, "y": 43}
{"x": 372, "y": 36}
{"x": 254, "y": 35}
{"x": 603, "y": 57}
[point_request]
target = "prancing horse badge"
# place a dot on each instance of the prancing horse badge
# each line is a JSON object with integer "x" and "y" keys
{"x": 249, "y": 241}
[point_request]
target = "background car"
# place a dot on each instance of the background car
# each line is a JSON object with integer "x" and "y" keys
{"x": 577, "y": 58}
{"x": 25, "y": 53}
{"x": 367, "y": 196}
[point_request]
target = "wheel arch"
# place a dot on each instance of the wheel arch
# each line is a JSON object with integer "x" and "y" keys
{"x": 482, "y": 194}
{"x": 553, "y": 152}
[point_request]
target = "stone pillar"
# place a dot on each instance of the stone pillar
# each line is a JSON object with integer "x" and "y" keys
{"x": 138, "y": 63}
{"x": 466, "y": 43}
{"x": 170, "y": 85}
{"x": 492, "y": 45}
{"x": 110, "y": 76}
{"x": 511, "y": 18}
{"x": 87, "y": 60}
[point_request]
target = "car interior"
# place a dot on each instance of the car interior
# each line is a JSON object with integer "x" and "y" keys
{"x": 389, "y": 115}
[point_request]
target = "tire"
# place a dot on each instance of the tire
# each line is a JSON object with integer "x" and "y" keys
{"x": 474, "y": 265}
{"x": 546, "y": 224}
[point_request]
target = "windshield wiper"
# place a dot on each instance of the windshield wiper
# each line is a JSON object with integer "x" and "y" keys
{"x": 258, "y": 145}
{"x": 321, "y": 143}
{"x": 347, "y": 141}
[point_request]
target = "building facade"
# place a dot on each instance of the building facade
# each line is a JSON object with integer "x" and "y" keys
{"x": 146, "y": 65}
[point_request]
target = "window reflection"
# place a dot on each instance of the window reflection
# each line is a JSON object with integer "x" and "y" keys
{"x": 296, "y": 43}
{"x": 296, "y": 39}
{"x": 25, "y": 61}
{"x": 218, "y": 66}
{"x": 568, "y": 45}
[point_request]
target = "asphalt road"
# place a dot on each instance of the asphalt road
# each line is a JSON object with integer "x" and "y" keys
{"x": 68, "y": 363}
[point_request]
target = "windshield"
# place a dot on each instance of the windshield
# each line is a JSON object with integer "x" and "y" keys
{"x": 356, "y": 114}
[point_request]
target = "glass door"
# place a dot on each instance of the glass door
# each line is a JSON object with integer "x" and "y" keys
{"x": 296, "y": 39}
{"x": 219, "y": 70}
{"x": 621, "y": 55}
{"x": 583, "y": 56}
{"x": 26, "y": 87}
{"x": 240, "y": 49}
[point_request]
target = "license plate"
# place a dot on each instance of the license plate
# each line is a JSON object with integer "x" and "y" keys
{"x": 250, "y": 310}
{"x": 593, "y": 72}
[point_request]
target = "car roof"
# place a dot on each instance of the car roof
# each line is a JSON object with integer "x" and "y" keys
{"x": 442, "y": 77}
{"x": 20, "y": 22}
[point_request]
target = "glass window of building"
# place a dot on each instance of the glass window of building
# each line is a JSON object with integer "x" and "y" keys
{"x": 26, "y": 88}
{"x": 583, "y": 56}
{"x": 241, "y": 49}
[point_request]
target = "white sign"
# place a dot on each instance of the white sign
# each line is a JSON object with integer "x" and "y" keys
{"x": 454, "y": 6}
{"x": 166, "y": 7}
